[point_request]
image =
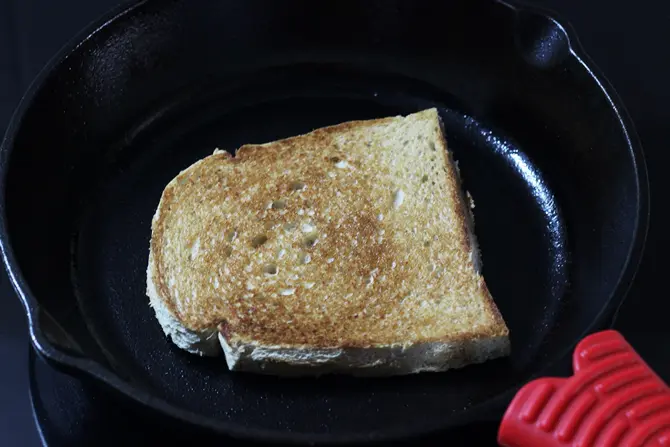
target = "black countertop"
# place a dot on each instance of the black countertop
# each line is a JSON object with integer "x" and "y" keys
{"x": 627, "y": 40}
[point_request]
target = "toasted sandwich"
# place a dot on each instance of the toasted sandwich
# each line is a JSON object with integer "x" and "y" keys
{"x": 349, "y": 249}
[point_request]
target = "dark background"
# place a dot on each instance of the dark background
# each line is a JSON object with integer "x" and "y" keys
{"x": 627, "y": 40}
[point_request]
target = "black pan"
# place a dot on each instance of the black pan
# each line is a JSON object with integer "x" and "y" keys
{"x": 544, "y": 144}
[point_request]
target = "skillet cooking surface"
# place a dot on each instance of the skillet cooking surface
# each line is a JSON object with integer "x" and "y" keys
{"x": 518, "y": 225}
{"x": 560, "y": 207}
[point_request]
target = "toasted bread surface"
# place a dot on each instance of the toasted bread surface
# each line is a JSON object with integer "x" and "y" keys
{"x": 355, "y": 236}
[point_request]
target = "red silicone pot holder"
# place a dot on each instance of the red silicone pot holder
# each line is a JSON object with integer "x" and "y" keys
{"x": 613, "y": 399}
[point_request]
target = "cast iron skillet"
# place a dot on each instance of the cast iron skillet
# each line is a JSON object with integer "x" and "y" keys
{"x": 544, "y": 144}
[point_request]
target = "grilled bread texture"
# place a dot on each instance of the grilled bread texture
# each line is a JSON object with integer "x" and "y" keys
{"x": 348, "y": 249}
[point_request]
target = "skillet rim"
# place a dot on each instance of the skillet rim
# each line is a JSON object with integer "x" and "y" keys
{"x": 58, "y": 357}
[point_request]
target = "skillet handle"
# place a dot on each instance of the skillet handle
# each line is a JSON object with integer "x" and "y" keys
{"x": 613, "y": 399}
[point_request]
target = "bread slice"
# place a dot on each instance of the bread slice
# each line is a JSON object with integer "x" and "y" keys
{"x": 348, "y": 249}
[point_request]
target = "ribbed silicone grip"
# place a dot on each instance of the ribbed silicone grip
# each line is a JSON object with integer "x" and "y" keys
{"x": 613, "y": 399}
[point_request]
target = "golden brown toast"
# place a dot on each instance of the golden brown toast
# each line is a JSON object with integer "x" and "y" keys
{"x": 346, "y": 249}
